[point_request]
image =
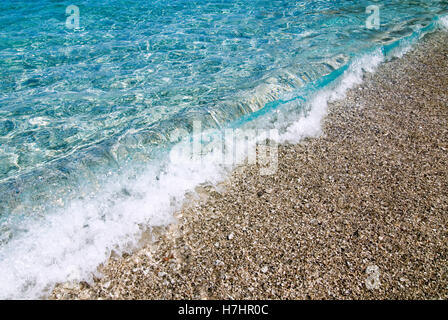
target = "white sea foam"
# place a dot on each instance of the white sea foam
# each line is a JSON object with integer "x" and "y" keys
{"x": 69, "y": 245}
{"x": 310, "y": 124}
{"x": 443, "y": 22}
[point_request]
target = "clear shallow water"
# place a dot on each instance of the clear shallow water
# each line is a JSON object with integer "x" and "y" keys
{"x": 85, "y": 115}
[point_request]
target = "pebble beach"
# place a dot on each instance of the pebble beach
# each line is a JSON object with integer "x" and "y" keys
{"x": 360, "y": 212}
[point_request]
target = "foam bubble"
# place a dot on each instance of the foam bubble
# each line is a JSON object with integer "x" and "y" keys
{"x": 443, "y": 22}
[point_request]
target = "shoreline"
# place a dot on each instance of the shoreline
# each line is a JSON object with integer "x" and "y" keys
{"x": 357, "y": 213}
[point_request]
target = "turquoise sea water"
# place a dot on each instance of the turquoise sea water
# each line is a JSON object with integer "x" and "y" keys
{"x": 86, "y": 113}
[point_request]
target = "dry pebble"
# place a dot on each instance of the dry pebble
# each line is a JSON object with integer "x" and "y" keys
{"x": 357, "y": 213}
